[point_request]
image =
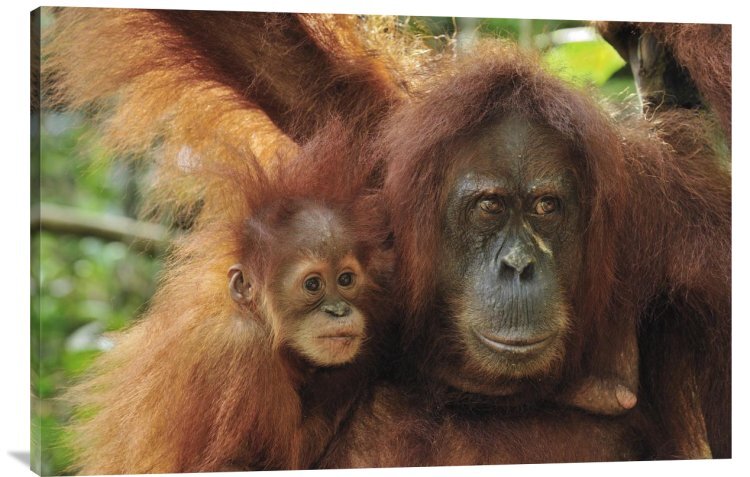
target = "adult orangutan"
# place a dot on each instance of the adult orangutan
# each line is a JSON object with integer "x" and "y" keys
{"x": 529, "y": 226}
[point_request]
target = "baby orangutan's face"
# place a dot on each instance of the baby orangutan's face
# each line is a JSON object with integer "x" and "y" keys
{"x": 315, "y": 296}
{"x": 321, "y": 318}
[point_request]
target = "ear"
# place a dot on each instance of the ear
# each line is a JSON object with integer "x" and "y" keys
{"x": 240, "y": 288}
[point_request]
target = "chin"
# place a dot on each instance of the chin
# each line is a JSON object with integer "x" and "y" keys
{"x": 508, "y": 347}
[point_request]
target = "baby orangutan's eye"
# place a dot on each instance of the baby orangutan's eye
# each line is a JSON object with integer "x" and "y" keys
{"x": 346, "y": 279}
{"x": 313, "y": 284}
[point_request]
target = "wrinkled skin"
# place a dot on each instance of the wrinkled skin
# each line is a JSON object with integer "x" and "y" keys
{"x": 509, "y": 256}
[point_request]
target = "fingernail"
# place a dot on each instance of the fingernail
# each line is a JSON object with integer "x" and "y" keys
{"x": 625, "y": 397}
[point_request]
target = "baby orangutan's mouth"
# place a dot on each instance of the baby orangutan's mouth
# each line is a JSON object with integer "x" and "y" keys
{"x": 339, "y": 347}
{"x": 343, "y": 337}
{"x": 339, "y": 343}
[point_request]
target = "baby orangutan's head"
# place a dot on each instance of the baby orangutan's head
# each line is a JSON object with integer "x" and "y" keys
{"x": 310, "y": 281}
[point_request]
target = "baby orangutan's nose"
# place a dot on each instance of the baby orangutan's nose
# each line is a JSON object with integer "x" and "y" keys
{"x": 337, "y": 310}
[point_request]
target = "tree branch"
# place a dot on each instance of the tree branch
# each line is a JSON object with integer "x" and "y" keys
{"x": 143, "y": 236}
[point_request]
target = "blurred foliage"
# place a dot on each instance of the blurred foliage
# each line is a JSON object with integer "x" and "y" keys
{"x": 585, "y": 62}
{"x": 77, "y": 281}
{"x": 511, "y": 28}
{"x": 83, "y": 285}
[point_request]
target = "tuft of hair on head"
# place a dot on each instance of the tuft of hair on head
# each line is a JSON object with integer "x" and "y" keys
{"x": 251, "y": 200}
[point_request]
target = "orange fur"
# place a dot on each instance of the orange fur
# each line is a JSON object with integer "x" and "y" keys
{"x": 703, "y": 50}
{"x": 199, "y": 384}
{"x": 657, "y": 259}
{"x": 191, "y": 94}
{"x": 188, "y": 89}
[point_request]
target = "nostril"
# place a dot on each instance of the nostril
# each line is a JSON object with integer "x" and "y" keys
{"x": 527, "y": 272}
{"x": 511, "y": 267}
{"x": 506, "y": 269}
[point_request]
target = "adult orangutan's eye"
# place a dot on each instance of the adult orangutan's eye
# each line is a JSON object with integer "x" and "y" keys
{"x": 546, "y": 205}
{"x": 491, "y": 205}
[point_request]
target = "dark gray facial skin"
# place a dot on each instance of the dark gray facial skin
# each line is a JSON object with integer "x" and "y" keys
{"x": 511, "y": 253}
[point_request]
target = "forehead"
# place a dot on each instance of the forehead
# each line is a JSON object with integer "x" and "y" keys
{"x": 518, "y": 151}
{"x": 319, "y": 232}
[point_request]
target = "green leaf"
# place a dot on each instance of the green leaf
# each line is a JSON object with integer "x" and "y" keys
{"x": 584, "y": 62}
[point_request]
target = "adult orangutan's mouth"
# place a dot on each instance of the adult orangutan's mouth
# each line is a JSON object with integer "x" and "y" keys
{"x": 514, "y": 344}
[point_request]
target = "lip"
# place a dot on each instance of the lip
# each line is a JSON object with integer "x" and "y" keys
{"x": 518, "y": 345}
{"x": 339, "y": 336}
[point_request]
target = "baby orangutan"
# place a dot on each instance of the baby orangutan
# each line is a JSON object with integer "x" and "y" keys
{"x": 304, "y": 275}
{"x": 258, "y": 376}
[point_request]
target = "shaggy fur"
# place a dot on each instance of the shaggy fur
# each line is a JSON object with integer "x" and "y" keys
{"x": 657, "y": 251}
{"x": 704, "y": 51}
{"x": 197, "y": 384}
{"x": 657, "y": 237}
{"x": 407, "y": 425}
{"x": 192, "y": 88}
